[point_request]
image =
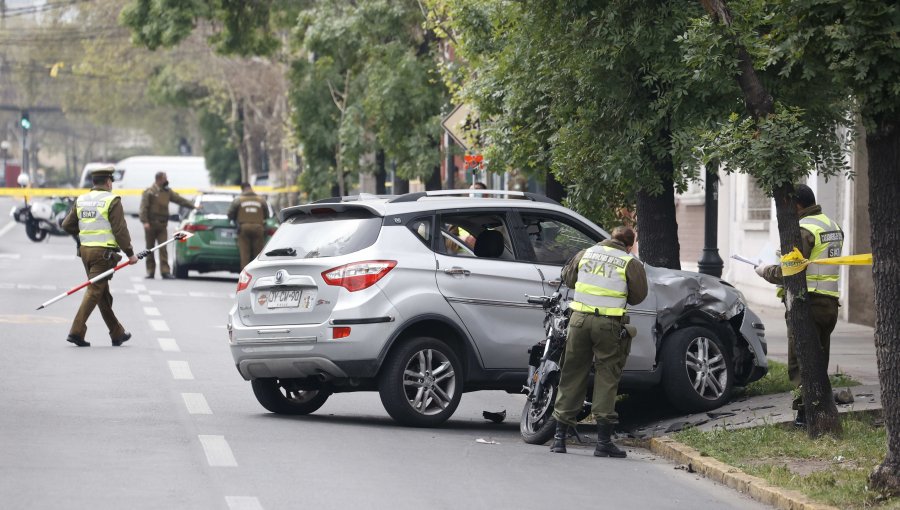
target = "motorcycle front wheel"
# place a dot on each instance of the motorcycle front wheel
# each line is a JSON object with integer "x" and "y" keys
{"x": 537, "y": 424}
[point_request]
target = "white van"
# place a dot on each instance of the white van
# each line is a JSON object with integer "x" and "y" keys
{"x": 137, "y": 173}
{"x": 89, "y": 168}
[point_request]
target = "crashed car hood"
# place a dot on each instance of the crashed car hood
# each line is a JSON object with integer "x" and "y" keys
{"x": 678, "y": 292}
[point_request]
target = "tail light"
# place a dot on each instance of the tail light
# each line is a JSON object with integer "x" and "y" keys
{"x": 358, "y": 275}
{"x": 244, "y": 281}
{"x": 194, "y": 227}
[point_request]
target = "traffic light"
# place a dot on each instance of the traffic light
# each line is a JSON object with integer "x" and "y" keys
{"x": 25, "y": 122}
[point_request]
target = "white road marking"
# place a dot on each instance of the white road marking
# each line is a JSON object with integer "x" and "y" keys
{"x": 58, "y": 257}
{"x": 156, "y": 293}
{"x": 168, "y": 344}
{"x": 10, "y": 256}
{"x": 140, "y": 287}
{"x": 218, "y": 453}
{"x": 242, "y": 503}
{"x": 9, "y": 226}
{"x": 159, "y": 325}
{"x": 181, "y": 370}
{"x": 145, "y": 298}
{"x": 151, "y": 311}
{"x": 196, "y": 403}
{"x": 136, "y": 279}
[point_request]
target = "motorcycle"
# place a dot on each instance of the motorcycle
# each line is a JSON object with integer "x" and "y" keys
{"x": 43, "y": 218}
{"x": 537, "y": 424}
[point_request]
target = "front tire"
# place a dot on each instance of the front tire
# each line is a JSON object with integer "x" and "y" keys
{"x": 421, "y": 383}
{"x": 697, "y": 370}
{"x": 278, "y": 397}
{"x": 537, "y": 425}
{"x": 34, "y": 232}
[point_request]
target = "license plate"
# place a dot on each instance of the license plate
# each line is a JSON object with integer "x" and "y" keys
{"x": 283, "y": 298}
{"x": 227, "y": 233}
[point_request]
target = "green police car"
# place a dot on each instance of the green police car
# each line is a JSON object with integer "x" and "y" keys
{"x": 213, "y": 247}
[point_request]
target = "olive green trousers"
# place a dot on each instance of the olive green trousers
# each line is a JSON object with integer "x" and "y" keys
{"x": 597, "y": 340}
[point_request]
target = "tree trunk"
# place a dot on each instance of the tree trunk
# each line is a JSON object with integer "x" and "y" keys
{"x": 884, "y": 209}
{"x": 555, "y": 189}
{"x": 380, "y": 173}
{"x": 434, "y": 182}
{"x": 821, "y": 412}
{"x": 401, "y": 186}
{"x": 656, "y": 224}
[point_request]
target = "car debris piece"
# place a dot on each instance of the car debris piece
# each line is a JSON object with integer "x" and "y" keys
{"x": 486, "y": 441}
{"x": 494, "y": 417}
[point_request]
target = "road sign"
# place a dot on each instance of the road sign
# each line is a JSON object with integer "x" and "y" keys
{"x": 461, "y": 120}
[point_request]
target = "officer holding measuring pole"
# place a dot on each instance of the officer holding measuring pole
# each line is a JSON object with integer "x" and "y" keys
{"x": 99, "y": 222}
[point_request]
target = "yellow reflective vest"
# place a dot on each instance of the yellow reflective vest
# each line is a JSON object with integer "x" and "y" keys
{"x": 94, "y": 228}
{"x": 602, "y": 286}
{"x": 822, "y": 278}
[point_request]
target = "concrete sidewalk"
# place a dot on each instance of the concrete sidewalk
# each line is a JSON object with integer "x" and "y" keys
{"x": 852, "y": 346}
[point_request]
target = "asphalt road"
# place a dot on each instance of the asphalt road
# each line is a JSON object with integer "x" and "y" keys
{"x": 166, "y": 421}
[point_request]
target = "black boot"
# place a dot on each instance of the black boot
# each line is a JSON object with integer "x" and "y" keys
{"x": 77, "y": 340}
{"x": 559, "y": 439}
{"x": 800, "y": 419}
{"x": 605, "y": 446}
{"x": 122, "y": 339}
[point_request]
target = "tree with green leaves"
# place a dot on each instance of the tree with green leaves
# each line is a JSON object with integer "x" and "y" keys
{"x": 854, "y": 45}
{"x": 595, "y": 92}
{"x": 789, "y": 126}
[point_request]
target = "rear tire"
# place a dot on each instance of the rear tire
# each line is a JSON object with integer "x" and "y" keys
{"x": 697, "y": 370}
{"x": 179, "y": 270}
{"x": 272, "y": 395}
{"x": 421, "y": 383}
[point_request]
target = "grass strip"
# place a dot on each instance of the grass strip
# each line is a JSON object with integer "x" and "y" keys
{"x": 829, "y": 470}
{"x": 776, "y": 381}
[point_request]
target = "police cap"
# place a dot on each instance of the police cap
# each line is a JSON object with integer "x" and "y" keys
{"x": 103, "y": 171}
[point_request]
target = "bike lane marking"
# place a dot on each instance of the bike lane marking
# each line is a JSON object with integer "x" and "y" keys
{"x": 218, "y": 453}
{"x": 242, "y": 503}
{"x": 196, "y": 403}
{"x": 168, "y": 344}
{"x": 181, "y": 370}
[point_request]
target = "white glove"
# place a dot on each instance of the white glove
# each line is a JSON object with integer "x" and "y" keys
{"x": 761, "y": 270}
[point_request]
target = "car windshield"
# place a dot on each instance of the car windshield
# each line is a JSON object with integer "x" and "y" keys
{"x": 215, "y": 206}
{"x": 326, "y": 234}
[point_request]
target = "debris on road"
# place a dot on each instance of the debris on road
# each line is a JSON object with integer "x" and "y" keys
{"x": 486, "y": 441}
{"x": 494, "y": 417}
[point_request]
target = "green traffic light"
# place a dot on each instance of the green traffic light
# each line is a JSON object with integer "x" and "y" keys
{"x": 26, "y": 123}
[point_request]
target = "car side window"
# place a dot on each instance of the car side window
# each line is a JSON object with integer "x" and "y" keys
{"x": 421, "y": 227}
{"x": 554, "y": 240}
{"x": 481, "y": 235}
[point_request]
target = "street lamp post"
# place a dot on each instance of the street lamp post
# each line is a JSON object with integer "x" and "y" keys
{"x": 710, "y": 262}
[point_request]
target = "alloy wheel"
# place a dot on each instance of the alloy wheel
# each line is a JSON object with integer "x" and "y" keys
{"x": 429, "y": 381}
{"x": 706, "y": 367}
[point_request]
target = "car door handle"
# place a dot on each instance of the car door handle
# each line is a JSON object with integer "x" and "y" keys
{"x": 457, "y": 271}
{"x": 553, "y": 283}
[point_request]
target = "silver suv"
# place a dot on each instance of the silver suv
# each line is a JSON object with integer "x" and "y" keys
{"x": 422, "y": 297}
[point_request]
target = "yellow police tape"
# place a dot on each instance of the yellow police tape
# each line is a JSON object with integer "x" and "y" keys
{"x": 794, "y": 263}
{"x": 74, "y": 192}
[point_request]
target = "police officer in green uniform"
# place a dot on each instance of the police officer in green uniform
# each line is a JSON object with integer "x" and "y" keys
{"x": 249, "y": 211}
{"x": 605, "y": 277}
{"x": 154, "y": 214}
{"x": 820, "y": 237}
{"x": 99, "y": 222}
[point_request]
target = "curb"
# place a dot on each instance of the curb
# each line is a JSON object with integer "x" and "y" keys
{"x": 730, "y": 476}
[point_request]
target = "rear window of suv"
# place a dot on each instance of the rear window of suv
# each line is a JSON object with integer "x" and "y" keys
{"x": 326, "y": 234}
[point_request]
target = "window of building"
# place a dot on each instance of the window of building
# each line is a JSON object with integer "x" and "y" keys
{"x": 759, "y": 206}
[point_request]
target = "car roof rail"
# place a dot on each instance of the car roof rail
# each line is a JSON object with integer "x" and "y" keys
{"x": 353, "y": 198}
{"x": 463, "y": 193}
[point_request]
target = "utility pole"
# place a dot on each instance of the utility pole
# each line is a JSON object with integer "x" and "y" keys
{"x": 710, "y": 262}
{"x": 25, "y": 122}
